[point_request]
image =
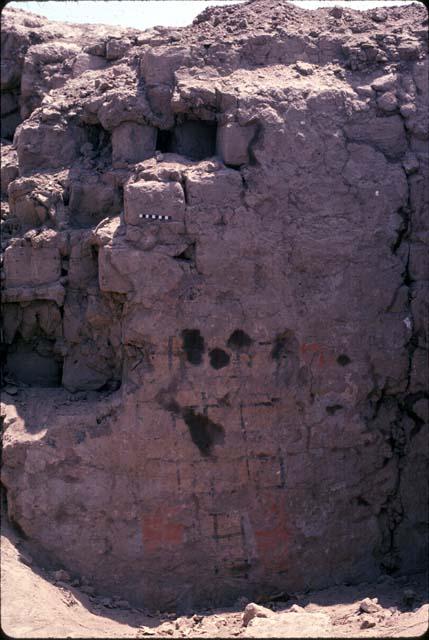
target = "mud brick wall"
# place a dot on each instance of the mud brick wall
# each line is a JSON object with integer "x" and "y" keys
{"x": 215, "y": 296}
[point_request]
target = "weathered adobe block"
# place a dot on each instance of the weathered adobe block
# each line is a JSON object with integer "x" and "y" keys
{"x": 233, "y": 142}
{"x": 9, "y": 166}
{"x": 29, "y": 266}
{"x": 43, "y": 146}
{"x": 217, "y": 189}
{"x": 33, "y": 200}
{"x": 132, "y": 142}
{"x": 121, "y": 269}
{"x": 153, "y": 198}
{"x": 91, "y": 199}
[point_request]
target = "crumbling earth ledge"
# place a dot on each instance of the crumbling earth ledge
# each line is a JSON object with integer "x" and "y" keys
{"x": 215, "y": 299}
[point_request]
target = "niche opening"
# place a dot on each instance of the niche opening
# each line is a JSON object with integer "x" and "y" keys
{"x": 195, "y": 139}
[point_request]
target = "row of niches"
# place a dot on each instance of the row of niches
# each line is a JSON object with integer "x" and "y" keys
{"x": 38, "y": 362}
{"x": 196, "y": 140}
{"x": 91, "y": 192}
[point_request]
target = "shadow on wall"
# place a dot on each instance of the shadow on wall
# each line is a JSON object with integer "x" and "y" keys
{"x": 34, "y": 364}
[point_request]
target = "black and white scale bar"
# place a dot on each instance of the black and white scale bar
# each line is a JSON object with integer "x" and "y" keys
{"x": 151, "y": 216}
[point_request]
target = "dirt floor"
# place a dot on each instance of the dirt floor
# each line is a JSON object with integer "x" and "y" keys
{"x": 40, "y": 604}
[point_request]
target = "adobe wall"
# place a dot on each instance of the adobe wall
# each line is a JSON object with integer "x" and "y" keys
{"x": 215, "y": 299}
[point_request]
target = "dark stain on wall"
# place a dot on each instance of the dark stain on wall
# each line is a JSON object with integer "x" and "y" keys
{"x": 204, "y": 432}
{"x": 239, "y": 340}
{"x": 219, "y": 358}
{"x": 193, "y": 345}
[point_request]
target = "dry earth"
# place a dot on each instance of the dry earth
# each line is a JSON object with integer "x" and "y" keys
{"x": 36, "y": 604}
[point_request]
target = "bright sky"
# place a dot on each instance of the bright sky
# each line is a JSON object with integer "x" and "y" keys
{"x": 145, "y": 14}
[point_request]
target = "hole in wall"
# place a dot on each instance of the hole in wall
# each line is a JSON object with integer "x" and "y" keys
{"x": 219, "y": 358}
{"x": 239, "y": 339}
{"x": 164, "y": 141}
{"x": 100, "y": 140}
{"x": 343, "y": 360}
{"x": 332, "y": 409}
{"x": 34, "y": 363}
{"x": 193, "y": 345}
{"x": 10, "y": 114}
{"x": 195, "y": 139}
{"x": 188, "y": 255}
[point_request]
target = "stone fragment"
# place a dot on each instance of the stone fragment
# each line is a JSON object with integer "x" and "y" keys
{"x": 116, "y": 48}
{"x": 253, "y": 610}
{"x": 368, "y": 623}
{"x": 408, "y": 109}
{"x": 304, "y": 68}
{"x": 385, "y": 83}
{"x": 379, "y": 15}
{"x": 86, "y": 62}
{"x": 388, "y": 102}
{"x": 369, "y": 605}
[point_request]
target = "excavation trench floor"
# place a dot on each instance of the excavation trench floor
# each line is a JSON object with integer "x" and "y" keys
{"x": 36, "y": 605}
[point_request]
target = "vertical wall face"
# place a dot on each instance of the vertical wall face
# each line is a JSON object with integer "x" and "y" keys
{"x": 228, "y": 274}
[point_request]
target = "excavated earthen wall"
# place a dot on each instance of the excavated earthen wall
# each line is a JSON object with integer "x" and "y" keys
{"x": 215, "y": 299}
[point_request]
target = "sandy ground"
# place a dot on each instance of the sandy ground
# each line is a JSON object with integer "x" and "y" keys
{"x": 35, "y": 604}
